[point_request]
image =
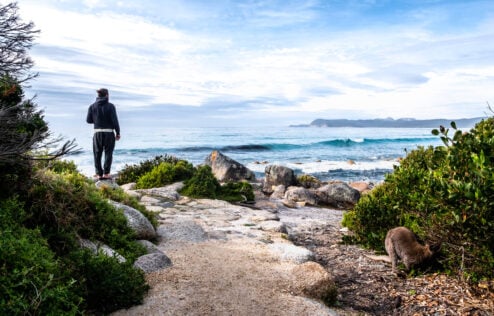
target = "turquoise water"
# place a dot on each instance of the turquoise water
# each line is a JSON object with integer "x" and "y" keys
{"x": 348, "y": 154}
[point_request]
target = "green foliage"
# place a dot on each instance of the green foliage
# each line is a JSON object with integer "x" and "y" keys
{"x": 444, "y": 194}
{"x": 236, "y": 192}
{"x": 42, "y": 213}
{"x": 165, "y": 173}
{"x": 308, "y": 181}
{"x": 28, "y": 119}
{"x": 132, "y": 173}
{"x": 199, "y": 182}
{"x": 69, "y": 206}
{"x": 107, "y": 284}
{"x": 119, "y": 195}
{"x": 43, "y": 268}
{"x": 202, "y": 184}
{"x": 30, "y": 276}
{"x": 57, "y": 165}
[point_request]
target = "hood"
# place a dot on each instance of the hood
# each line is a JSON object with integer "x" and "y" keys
{"x": 101, "y": 100}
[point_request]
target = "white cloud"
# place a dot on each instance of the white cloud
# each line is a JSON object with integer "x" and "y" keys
{"x": 380, "y": 70}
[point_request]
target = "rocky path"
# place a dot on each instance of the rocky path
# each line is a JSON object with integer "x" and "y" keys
{"x": 236, "y": 260}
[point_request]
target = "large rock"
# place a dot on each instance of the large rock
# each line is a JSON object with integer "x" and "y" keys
{"x": 152, "y": 262}
{"x": 278, "y": 192}
{"x": 182, "y": 230}
{"x": 339, "y": 195}
{"x": 300, "y": 194}
{"x": 278, "y": 175}
{"x": 362, "y": 186}
{"x": 150, "y": 247}
{"x": 226, "y": 169}
{"x": 136, "y": 221}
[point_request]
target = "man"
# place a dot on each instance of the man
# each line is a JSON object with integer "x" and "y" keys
{"x": 104, "y": 117}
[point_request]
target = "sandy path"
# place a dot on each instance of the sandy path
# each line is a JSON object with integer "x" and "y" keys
{"x": 224, "y": 265}
{"x": 224, "y": 278}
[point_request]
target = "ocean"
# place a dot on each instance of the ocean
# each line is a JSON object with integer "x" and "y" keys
{"x": 347, "y": 154}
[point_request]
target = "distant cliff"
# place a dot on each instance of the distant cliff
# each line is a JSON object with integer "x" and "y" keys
{"x": 399, "y": 123}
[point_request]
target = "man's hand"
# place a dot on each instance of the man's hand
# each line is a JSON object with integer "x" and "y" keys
{"x": 117, "y": 137}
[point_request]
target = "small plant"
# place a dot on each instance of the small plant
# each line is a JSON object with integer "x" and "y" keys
{"x": 109, "y": 285}
{"x": 236, "y": 192}
{"x": 132, "y": 173}
{"x": 308, "y": 181}
{"x": 119, "y": 195}
{"x": 165, "y": 173}
{"x": 57, "y": 165}
{"x": 31, "y": 278}
{"x": 202, "y": 184}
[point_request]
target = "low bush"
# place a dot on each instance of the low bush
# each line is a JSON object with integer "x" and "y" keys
{"x": 308, "y": 181}
{"x": 236, "y": 192}
{"x": 57, "y": 165}
{"x": 165, "y": 173}
{"x": 132, "y": 173}
{"x": 119, "y": 195}
{"x": 69, "y": 206}
{"x": 444, "y": 194}
{"x": 203, "y": 184}
{"x": 39, "y": 242}
{"x": 31, "y": 278}
{"x": 105, "y": 283}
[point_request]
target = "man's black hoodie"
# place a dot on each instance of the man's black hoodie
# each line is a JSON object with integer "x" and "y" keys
{"x": 103, "y": 115}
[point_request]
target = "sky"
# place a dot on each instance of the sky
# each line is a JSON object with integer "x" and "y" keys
{"x": 194, "y": 63}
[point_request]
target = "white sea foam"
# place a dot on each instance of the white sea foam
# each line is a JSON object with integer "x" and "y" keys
{"x": 325, "y": 166}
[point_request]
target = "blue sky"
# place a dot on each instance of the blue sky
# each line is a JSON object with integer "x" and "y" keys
{"x": 256, "y": 62}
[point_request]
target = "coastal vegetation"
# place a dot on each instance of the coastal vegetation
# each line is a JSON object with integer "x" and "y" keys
{"x": 445, "y": 195}
{"x": 199, "y": 182}
{"x": 47, "y": 208}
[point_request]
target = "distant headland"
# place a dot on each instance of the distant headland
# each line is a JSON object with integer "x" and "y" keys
{"x": 392, "y": 123}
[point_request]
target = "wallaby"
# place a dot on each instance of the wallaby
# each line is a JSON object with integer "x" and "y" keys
{"x": 401, "y": 243}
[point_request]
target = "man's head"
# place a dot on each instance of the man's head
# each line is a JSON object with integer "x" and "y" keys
{"x": 102, "y": 92}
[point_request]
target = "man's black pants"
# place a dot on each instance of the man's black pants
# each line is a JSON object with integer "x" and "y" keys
{"x": 103, "y": 141}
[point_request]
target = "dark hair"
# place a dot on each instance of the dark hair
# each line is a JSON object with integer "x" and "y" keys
{"x": 102, "y": 92}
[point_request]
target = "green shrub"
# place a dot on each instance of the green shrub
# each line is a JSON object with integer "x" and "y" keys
{"x": 57, "y": 165}
{"x": 119, "y": 195}
{"x": 202, "y": 184}
{"x": 106, "y": 284}
{"x": 308, "y": 181}
{"x": 236, "y": 192}
{"x": 69, "y": 206}
{"x": 30, "y": 275}
{"x": 165, "y": 173}
{"x": 443, "y": 194}
{"x": 132, "y": 173}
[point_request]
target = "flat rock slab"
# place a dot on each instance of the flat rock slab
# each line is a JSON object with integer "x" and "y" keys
{"x": 186, "y": 230}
